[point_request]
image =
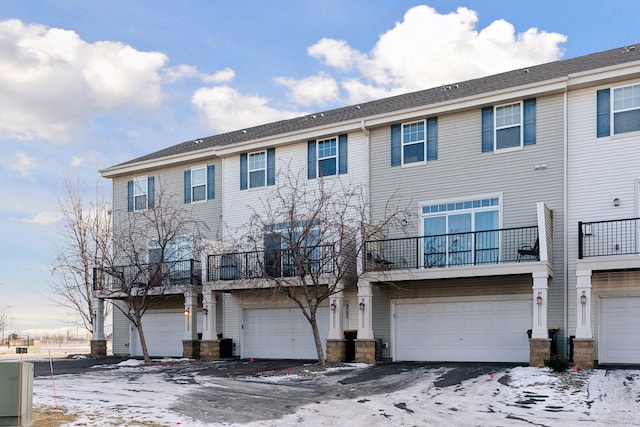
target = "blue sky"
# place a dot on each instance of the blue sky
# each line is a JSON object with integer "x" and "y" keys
{"x": 89, "y": 84}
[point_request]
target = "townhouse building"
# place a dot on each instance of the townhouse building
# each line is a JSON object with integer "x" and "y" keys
{"x": 518, "y": 185}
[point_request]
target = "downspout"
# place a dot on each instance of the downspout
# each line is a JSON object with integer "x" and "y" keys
{"x": 565, "y": 249}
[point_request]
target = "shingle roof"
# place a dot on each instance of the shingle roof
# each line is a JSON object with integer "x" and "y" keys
{"x": 510, "y": 79}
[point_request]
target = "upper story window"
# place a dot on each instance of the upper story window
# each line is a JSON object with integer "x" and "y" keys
{"x": 258, "y": 169}
{"x": 509, "y": 126}
{"x": 327, "y": 157}
{"x": 199, "y": 184}
{"x": 414, "y": 142}
{"x": 140, "y": 193}
{"x": 623, "y": 110}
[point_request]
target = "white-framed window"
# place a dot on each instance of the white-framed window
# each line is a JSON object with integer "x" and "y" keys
{"x": 461, "y": 233}
{"x": 413, "y": 142}
{"x": 327, "y": 157}
{"x": 199, "y": 184}
{"x": 140, "y": 193}
{"x": 257, "y": 169}
{"x": 508, "y": 126}
{"x": 626, "y": 109}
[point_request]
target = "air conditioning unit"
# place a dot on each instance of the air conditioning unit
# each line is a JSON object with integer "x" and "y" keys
{"x": 16, "y": 390}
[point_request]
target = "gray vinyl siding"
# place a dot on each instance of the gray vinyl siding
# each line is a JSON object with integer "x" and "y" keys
{"x": 171, "y": 181}
{"x": 120, "y": 331}
{"x": 463, "y": 172}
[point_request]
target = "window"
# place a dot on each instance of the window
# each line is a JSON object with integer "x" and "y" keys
{"x": 140, "y": 193}
{"x": 258, "y": 169}
{"x": 171, "y": 262}
{"x": 414, "y": 142}
{"x": 289, "y": 247}
{"x": 327, "y": 157}
{"x": 461, "y": 233}
{"x": 509, "y": 126}
{"x": 199, "y": 184}
{"x": 623, "y": 110}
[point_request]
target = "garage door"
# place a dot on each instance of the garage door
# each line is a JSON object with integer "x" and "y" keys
{"x": 281, "y": 333}
{"x": 619, "y": 332}
{"x": 463, "y": 331}
{"x": 163, "y": 332}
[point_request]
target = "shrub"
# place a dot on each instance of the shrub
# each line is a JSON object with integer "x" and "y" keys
{"x": 557, "y": 363}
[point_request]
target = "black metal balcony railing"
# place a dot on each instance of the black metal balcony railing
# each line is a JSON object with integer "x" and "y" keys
{"x": 170, "y": 273}
{"x": 455, "y": 249}
{"x": 605, "y": 238}
{"x": 271, "y": 263}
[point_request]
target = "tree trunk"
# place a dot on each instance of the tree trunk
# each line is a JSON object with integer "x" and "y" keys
{"x": 316, "y": 337}
{"x": 143, "y": 341}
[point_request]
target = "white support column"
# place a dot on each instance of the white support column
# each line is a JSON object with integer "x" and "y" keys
{"x": 540, "y": 305}
{"x": 336, "y": 327}
{"x": 98, "y": 320}
{"x": 583, "y": 303}
{"x": 190, "y": 316}
{"x": 365, "y": 312}
{"x": 209, "y": 325}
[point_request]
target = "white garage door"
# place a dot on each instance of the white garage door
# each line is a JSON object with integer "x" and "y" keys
{"x": 281, "y": 333}
{"x": 463, "y": 331}
{"x": 619, "y": 333}
{"x": 163, "y": 332}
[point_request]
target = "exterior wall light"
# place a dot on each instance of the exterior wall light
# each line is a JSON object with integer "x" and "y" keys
{"x": 205, "y": 310}
{"x": 539, "y": 299}
{"x": 583, "y": 299}
{"x": 333, "y": 306}
{"x": 616, "y": 202}
{"x": 187, "y": 312}
{"x": 361, "y": 305}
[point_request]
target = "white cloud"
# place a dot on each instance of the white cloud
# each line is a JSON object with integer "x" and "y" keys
{"x": 224, "y": 109}
{"x": 21, "y": 162}
{"x": 180, "y": 72}
{"x": 320, "y": 89}
{"x": 76, "y": 161}
{"x": 222, "y": 76}
{"x": 41, "y": 218}
{"x": 428, "y": 49}
{"x": 52, "y": 81}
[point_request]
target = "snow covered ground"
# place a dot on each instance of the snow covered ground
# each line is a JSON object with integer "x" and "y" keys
{"x": 130, "y": 393}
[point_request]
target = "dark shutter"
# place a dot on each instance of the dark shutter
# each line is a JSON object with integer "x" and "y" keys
{"x": 243, "y": 171}
{"x": 342, "y": 154}
{"x": 311, "y": 159}
{"x": 211, "y": 181}
{"x": 187, "y": 186}
{"x": 432, "y": 138}
{"x": 530, "y": 121}
{"x": 130, "y": 196}
{"x": 150, "y": 192}
{"x": 604, "y": 112}
{"x": 271, "y": 166}
{"x": 396, "y": 157}
{"x": 487, "y": 129}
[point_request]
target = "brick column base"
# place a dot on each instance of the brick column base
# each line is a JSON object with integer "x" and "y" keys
{"x": 336, "y": 351}
{"x": 366, "y": 351}
{"x": 209, "y": 350}
{"x": 583, "y": 353}
{"x": 191, "y": 349}
{"x": 99, "y": 348}
{"x": 539, "y": 350}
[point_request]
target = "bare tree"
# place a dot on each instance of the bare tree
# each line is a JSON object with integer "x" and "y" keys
{"x": 153, "y": 255}
{"x": 85, "y": 243}
{"x": 308, "y": 237}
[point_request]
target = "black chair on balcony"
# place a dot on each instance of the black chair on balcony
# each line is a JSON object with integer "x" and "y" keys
{"x": 528, "y": 250}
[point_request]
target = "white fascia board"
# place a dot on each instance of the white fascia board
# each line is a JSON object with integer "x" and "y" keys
{"x": 460, "y": 104}
{"x": 114, "y": 171}
{"x": 618, "y": 72}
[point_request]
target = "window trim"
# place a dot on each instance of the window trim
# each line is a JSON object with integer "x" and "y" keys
{"x": 613, "y": 110}
{"x": 404, "y": 144}
{"x": 263, "y": 169}
{"x": 520, "y": 105}
{"x": 335, "y": 157}
{"x": 193, "y": 186}
{"x": 144, "y": 193}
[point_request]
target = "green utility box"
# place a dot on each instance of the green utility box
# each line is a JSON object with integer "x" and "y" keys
{"x": 16, "y": 391}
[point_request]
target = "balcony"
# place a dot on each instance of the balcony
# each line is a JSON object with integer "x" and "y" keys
{"x": 155, "y": 275}
{"x": 608, "y": 238}
{"x": 277, "y": 263}
{"x": 468, "y": 249}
